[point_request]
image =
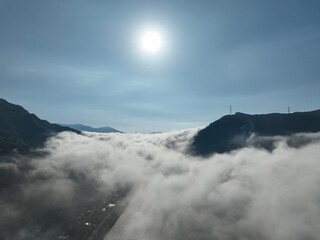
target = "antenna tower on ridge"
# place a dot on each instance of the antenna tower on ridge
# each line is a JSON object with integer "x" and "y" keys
{"x": 230, "y": 109}
{"x": 288, "y": 109}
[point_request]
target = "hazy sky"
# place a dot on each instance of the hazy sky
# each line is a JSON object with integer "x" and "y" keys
{"x": 81, "y": 61}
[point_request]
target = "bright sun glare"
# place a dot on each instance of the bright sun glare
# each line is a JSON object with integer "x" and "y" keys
{"x": 151, "y": 41}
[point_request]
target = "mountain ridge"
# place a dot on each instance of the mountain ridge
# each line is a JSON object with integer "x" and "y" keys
{"x": 22, "y": 130}
{"x": 232, "y": 131}
{"x": 82, "y": 127}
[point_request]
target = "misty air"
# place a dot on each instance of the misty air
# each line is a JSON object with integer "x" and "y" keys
{"x": 152, "y": 120}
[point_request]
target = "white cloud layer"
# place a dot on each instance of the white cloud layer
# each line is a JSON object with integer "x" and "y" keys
{"x": 246, "y": 194}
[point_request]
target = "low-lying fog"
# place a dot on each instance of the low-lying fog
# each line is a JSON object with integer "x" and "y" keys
{"x": 249, "y": 193}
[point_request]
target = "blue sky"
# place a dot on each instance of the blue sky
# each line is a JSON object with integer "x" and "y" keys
{"x": 81, "y": 62}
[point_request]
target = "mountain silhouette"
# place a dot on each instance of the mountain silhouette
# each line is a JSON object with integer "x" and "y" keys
{"x": 22, "y": 130}
{"x": 81, "y": 127}
{"x": 233, "y": 131}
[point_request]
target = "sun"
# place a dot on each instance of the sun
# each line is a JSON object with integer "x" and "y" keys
{"x": 151, "y": 41}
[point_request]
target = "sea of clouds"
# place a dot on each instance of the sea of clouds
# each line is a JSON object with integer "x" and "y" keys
{"x": 249, "y": 193}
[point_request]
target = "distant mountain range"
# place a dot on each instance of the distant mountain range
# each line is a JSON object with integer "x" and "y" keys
{"x": 81, "y": 127}
{"x": 22, "y": 130}
{"x": 233, "y": 131}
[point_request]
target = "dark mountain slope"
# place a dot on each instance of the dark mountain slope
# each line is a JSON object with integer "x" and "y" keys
{"x": 231, "y": 131}
{"x": 81, "y": 127}
{"x": 21, "y": 130}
